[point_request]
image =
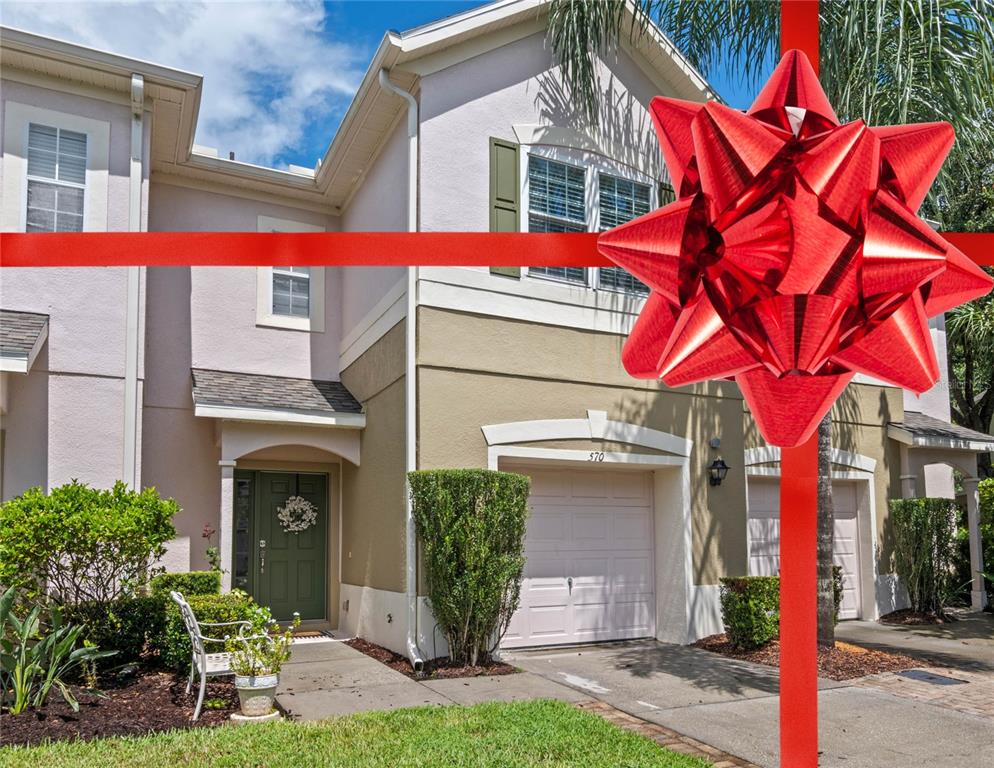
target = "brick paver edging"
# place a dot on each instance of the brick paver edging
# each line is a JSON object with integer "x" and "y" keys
{"x": 665, "y": 737}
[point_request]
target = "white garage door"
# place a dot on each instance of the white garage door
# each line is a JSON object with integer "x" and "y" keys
{"x": 764, "y": 536}
{"x": 589, "y": 570}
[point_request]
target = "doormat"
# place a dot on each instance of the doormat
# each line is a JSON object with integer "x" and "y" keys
{"x": 930, "y": 677}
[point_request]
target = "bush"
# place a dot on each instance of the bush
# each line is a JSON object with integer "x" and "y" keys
{"x": 124, "y": 625}
{"x": 82, "y": 544}
{"x": 924, "y": 550}
{"x": 750, "y": 609}
{"x": 837, "y": 590}
{"x": 471, "y": 523}
{"x": 173, "y": 642}
{"x": 187, "y": 584}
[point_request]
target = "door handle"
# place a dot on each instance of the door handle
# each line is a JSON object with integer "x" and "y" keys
{"x": 262, "y": 556}
{"x": 569, "y": 583}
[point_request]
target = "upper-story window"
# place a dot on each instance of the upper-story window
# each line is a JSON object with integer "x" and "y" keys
{"x": 557, "y": 202}
{"x": 292, "y": 291}
{"x": 290, "y": 297}
{"x": 56, "y": 174}
{"x": 620, "y": 200}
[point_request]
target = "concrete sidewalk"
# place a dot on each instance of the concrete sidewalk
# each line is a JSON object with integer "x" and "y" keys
{"x": 328, "y": 678}
{"x": 734, "y": 706}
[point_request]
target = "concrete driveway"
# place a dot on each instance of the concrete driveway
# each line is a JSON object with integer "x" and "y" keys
{"x": 734, "y": 706}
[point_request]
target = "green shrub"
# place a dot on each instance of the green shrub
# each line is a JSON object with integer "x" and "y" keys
{"x": 38, "y": 653}
{"x": 750, "y": 609}
{"x": 187, "y": 584}
{"x": 924, "y": 549}
{"x": 173, "y": 643}
{"x": 124, "y": 625}
{"x": 837, "y": 589}
{"x": 82, "y": 544}
{"x": 471, "y": 523}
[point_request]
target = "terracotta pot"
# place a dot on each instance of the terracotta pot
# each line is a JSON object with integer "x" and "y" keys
{"x": 256, "y": 693}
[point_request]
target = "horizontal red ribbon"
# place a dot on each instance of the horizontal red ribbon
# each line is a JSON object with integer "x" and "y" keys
{"x": 367, "y": 249}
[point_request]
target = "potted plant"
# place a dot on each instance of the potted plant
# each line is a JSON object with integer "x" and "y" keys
{"x": 256, "y": 662}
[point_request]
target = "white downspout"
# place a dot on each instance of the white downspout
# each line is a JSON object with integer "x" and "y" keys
{"x": 410, "y": 377}
{"x": 129, "y": 469}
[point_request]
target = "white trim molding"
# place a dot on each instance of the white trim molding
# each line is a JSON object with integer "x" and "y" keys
{"x": 232, "y": 413}
{"x": 769, "y": 454}
{"x": 595, "y": 427}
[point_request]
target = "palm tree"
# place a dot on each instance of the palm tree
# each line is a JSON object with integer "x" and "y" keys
{"x": 886, "y": 61}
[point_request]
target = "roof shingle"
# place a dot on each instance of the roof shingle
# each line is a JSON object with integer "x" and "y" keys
{"x": 931, "y": 429}
{"x": 252, "y": 390}
{"x": 19, "y": 331}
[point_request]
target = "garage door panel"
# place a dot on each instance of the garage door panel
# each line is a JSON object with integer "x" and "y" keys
{"x": 631, "y": 528}
{"x": 594, "y": 527}
{"x": 764, "y": 536}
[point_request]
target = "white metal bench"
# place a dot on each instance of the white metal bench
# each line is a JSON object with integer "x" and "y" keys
{"x": 202, "y": 663}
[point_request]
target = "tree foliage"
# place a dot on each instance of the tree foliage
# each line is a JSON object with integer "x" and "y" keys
{"x": 924, "y": 550}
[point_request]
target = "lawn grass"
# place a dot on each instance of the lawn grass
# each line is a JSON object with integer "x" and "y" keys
{"x": 533, "y": 734}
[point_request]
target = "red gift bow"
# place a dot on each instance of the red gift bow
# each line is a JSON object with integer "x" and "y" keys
{"x": 792, "y": 258}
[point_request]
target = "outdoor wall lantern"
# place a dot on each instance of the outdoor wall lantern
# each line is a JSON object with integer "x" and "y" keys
{"x": 718, "y": 471}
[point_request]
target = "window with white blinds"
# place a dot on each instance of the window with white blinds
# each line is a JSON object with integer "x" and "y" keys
{"x": 56, "y": 179}
{"x": 292, "y": 291}
{"x": 557, "y": 203}
{"x": 620, "y": 200}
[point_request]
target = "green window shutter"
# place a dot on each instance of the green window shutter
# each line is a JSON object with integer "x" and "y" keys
{"x": 666, "y": 194}
{"x": 504, "y": 194}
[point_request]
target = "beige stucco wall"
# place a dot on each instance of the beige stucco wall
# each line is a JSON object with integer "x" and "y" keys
{"x": 474, "y": 371}
{"x": 373, "y": 503}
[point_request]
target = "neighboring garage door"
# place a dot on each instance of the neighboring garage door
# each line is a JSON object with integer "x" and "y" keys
{"x": 764, "y": 536}
{"x": 589, "y": 548}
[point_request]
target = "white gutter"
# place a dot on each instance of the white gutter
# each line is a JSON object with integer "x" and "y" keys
{"x": 410, "y": 376}
{"x": 129, "y": 470}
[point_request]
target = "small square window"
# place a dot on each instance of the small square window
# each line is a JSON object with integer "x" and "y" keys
{"x": 292, "y": 291}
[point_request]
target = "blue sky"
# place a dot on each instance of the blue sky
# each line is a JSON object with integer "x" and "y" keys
{"x": 278, "y": 76}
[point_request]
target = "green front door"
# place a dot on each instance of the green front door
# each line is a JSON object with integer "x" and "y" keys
{"x": 290, "y": 570}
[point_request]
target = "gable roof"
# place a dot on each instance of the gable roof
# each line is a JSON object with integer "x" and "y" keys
{"x": 21, "y": 337}
{"x": 175, "y": 95}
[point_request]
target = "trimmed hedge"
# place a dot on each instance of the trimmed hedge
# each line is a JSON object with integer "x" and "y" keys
{"x": 79, "y": 544}
{"x": 471, "y": 523}
{"x": 187, "y": 584}
{"x": 173, "y": 642}
{"x": 750, "y": 609}
{"x": 124, "y": 625}
{"x": 924, "y": 550}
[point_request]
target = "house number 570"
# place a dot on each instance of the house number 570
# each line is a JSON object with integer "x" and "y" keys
{"x": 596, "y": 456}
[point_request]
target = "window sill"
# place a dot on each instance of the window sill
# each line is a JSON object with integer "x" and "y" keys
{"x": 285, "y": 322}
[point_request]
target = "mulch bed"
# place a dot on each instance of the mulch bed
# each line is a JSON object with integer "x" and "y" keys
{"x": 843, "y": 662}
{"x": 434, "y": 669}
{"x": 148, "y": 701}
{"x": 909, "y": 618}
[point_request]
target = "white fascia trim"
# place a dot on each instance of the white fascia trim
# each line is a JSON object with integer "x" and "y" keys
{"x": 231, "y": 413}
{"x": 12, "y": 364}
{"x": 595, "y": 427}
{"x": 768, "y": 454}
{"x": 22, "y": 364}
{"x": 564, "y": 454}
{"x": 908, "y": 437}
{"x": 389, "y": 311}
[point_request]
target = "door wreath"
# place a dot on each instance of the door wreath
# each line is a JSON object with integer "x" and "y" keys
{"x": 297, "y": 514}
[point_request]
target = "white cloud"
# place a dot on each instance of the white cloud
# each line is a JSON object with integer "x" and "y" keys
{"x": 272, "y": 78}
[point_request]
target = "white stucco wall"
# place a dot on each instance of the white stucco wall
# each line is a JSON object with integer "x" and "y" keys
{"x": 464, "y": 105}
{"x": 76, "y": 385}
{"x": 379, "y": 204}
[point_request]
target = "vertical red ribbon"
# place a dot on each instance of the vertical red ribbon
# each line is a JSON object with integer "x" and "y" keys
{"x": 798, "y": 521}
{"x": 799, "y": 605}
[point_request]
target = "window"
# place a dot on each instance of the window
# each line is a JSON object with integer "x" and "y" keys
{"x": 556, "y": 203}
{"x": 56, "y": 179}
{"x": 289, "y": 297}
{"x": 292, "y": 291}
{"x": 620, "y": 200}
